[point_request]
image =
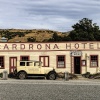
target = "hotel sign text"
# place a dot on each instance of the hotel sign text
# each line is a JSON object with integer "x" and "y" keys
{"x": 50, "y": 46}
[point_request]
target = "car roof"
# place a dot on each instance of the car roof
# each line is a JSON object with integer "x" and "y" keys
{"x": 29, "y": 61}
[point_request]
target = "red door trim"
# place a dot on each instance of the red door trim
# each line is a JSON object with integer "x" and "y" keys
{"x": 12, "y": 67}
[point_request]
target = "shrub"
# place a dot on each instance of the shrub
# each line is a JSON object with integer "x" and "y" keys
{"x": 91, "y": 76}
{"x": 95, "y": 76}
{"x": 11, "y": 75}
{"x": 71, "y": 76}
{"x": 31, "y": 39}
{"x": 86, "y": 75}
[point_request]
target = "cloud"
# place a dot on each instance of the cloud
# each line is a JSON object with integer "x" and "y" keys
{"x": 57, "y": 15}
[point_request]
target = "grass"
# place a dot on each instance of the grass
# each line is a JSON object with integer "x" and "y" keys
{"x": 39, "y": 34}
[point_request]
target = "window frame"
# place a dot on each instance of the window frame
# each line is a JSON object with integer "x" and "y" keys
{"x": 64, "y": 61}
{"x": 24, "y": 56}
{"x": 3, "y": 63}
{"x": 44, "y": 60}
{"x": 22, "y": 64}
{"x": 96, "y": 60}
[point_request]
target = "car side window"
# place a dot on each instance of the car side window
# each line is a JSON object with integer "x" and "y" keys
{"x": 22, "y": 63}
{"x": 29, "y": 64}
{"x": 36, "y": 64}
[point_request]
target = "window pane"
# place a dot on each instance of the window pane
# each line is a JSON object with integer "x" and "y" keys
{"x": 61, "y": 62}
{"x": 11, "y": 62}
{"x": 45, "y": 61}
{"x": 15, "y": 62}
{"x": 29, "y": 64}
{"x": 22, "y": 63}
{"x": 94, "y": 61}
{"x": 24, "y": 58}
{"x": 1, "y": 62}
{"x": 41, "y": 59}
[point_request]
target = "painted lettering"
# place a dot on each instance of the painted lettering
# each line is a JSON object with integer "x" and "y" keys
{"x": 76, "y": 45}
{"x": 91, "y": 46}
{"x": 68, "y": 46}
{"x": 6, "y": 47}
{"x": 30, "y": 46}
{"x": 98, "y": 45}
{"x": 51, "y": 46}
{"x": 39, "y": 46}
{"x": 84, "y": 45}
{"x": 14, "y": 46}
{"x": 22, "y": 46}
{"x": 56, "y": 46}
{"x": 47, "y": 46}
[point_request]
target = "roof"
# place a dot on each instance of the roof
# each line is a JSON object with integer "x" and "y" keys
{"x": 30, "y": 61}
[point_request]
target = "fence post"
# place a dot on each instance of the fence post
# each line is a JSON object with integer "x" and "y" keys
{"x": 5, "y": 75}
{"x": 66, "y": 76}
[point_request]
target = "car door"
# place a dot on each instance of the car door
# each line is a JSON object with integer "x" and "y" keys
{"x": 37, "y": 67}
{"x": 29, "y": 67}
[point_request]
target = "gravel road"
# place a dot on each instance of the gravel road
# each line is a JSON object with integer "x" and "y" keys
{"x": 49, "y": 90}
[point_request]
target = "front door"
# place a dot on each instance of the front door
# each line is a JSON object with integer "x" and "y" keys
{"x": 77, "y": 65}
{"x": 13, "y": 64}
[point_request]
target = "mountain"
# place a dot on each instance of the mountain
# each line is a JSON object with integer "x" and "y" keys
{"x": 21, "y": 35}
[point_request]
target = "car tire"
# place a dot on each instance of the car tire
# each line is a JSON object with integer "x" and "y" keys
{"x": 22, "y": 75}
{"x": 51, "y": 76}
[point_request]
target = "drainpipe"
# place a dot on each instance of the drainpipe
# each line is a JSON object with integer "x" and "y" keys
{"x": 86, "y": 62}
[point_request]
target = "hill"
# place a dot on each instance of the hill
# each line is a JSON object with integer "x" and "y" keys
{"x": 23, "y": 35}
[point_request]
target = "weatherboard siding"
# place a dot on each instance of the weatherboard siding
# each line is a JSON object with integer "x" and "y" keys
{"x": 34, "y": 50}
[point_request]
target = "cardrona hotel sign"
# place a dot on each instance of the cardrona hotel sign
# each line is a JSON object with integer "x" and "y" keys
{"x": 49, "y": 46}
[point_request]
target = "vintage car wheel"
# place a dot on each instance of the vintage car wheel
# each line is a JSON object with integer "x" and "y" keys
{"x": 22, "y": 75}
{"x": 52, "y": 76}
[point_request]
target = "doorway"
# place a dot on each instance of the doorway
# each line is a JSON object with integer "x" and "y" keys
{"x": 77, "y": 65}
{"x": 13, "y": 64}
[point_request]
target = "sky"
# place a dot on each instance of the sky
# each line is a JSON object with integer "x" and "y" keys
{"x": 58, "y": 15}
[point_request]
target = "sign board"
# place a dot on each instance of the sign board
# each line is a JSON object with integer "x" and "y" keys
{"x": 63, "y": 46}
{"x": 76, "y": 53}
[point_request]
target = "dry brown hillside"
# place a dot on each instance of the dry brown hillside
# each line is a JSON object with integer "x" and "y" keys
{"x": 38, "y": 34}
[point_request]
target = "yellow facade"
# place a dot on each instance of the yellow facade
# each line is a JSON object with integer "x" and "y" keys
{"x": 73, "y": 57}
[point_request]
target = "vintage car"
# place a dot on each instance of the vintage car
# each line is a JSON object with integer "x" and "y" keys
{"x": 35, "y": 69}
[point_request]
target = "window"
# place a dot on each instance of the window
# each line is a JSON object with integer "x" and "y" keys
{"x": 24, "y": 58}
{"x": 29, "y": 64}
{"x": 94, "y": 60}
{"x": 44, "y": 60}
{"x": 60, "y": 61}
{"x": 36, "y": 64}
{"x": 1, "y": 62}
{"x": 22, "y": 63}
